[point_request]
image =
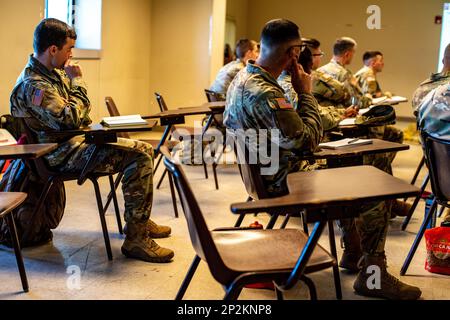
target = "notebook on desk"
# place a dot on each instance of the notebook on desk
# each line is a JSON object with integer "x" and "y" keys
{"x": 343, "y": 143}
{"x": 386, "y": 100}
{"x": 122, "y": 121}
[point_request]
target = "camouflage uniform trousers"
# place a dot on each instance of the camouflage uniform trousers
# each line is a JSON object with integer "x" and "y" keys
{"x": 133, "y": 158}
{"x": 372, "y": 223}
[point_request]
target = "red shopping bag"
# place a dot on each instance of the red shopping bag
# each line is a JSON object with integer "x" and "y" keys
{"x": 438, "y": 250}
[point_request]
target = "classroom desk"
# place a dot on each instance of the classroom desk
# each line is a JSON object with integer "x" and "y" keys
{"x": 177, "y": 116}
{"x": 353, "y": 155}
{"x": 98, "y": 134}
{"x": 27, "y": 151}
{"x": 330, "y": 194}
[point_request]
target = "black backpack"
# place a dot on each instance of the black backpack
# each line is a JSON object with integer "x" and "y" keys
{"x": 32, "y": 228}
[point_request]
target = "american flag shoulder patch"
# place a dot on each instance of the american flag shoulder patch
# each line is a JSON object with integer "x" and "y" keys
{"x": 284, "y": 104}
{"x": 38, "y": 96}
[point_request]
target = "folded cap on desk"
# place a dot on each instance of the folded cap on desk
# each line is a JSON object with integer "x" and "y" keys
{"x": 377, "y": 115}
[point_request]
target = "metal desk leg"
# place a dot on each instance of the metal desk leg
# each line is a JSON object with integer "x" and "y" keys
{"x": 419, "y": 236}
{"x": 15, "y": 241}
{"x": 307, "y": 251}
{"x": 336, "y": 276}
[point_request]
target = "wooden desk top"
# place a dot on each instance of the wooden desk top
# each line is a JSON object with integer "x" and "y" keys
{"x": 98, "y": 128}
{"x": 26, "y": 151}
{"x": 206, "y": 108}
{"x": 332, "y": 188}
{"x": 378, "y": 146}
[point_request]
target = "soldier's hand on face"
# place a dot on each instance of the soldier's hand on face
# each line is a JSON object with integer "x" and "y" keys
{"x": 301, "y": 81}
{"x": 351, "y": 112}
{"x": 72, "y": 70}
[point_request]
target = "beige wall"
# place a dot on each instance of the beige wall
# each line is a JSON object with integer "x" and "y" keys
{"x": 180, "y": 57}
{"x": 238, "y": 11}
{"x": 123, "y": 71}
{"x": 17, "y": 22}
{"x": 408, "y": 37}
{"x": 217, "y": 34}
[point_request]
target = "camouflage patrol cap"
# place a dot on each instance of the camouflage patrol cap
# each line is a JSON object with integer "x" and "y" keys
{"x": 377, "y": 116}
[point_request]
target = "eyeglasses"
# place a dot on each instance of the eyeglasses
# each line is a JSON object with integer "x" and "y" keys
{"x": 301, "y": 46}
{"x": 318, "y": 54}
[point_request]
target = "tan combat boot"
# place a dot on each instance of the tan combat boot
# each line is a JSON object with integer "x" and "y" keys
{"x": 157, "y": 231}
{"x": 154, "y": 230}
{"x": 138, "y": 245}
{"x": 352, "y": 251}
{"x": 382, "y": 284}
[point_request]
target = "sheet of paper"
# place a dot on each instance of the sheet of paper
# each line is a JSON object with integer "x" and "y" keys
{"x": 347, "y": 122}
{"x": 379, "y": 100}
{"x": 347, "y": 142}
{"x": 135, "y": 119}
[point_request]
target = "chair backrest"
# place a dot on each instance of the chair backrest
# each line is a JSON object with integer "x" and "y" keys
{"x": 200, "y": 235}
{"x": 437, "y": 157}
{"x": 250, "y": 173}
{"x": 114, "y": 112}
{"x": 161, "y": 103}
{"x": 214, "y": 96}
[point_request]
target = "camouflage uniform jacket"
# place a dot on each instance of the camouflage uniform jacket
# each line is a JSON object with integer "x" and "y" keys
{"x": 435, "y": 80}
{"x": 330, "y": 116}
{"x": 434, "y": 112}
{"x": 345, "y": 76}
{"x": 367, "y": 81}
{"x": 226, "y": 75}
{"x": 256, "y": 101}
{"x": 50, "y": 101}
{"x": 329, "y": 91}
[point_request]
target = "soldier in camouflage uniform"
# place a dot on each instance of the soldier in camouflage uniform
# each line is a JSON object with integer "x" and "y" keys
{"x": 50, "y": 95}
{"x": 256, "y": 101}
{"x": 367, "y": 75}
{"x": 330, "y": 114}
{"x": 245, "y": 50}
{"x": 434, "y": 119}
{"x": 435, "y": 80}
{"x": 344, "y": 50}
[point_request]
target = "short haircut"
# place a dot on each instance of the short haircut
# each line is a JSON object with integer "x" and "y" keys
{"x": 279, "y": 31}
{"x": 370, "y": 54}
{"x": 342, "y": 45}
{"x": 244, "y": 45}
{"x": 311, "y": 43}
{"x": 51, "y": 32}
